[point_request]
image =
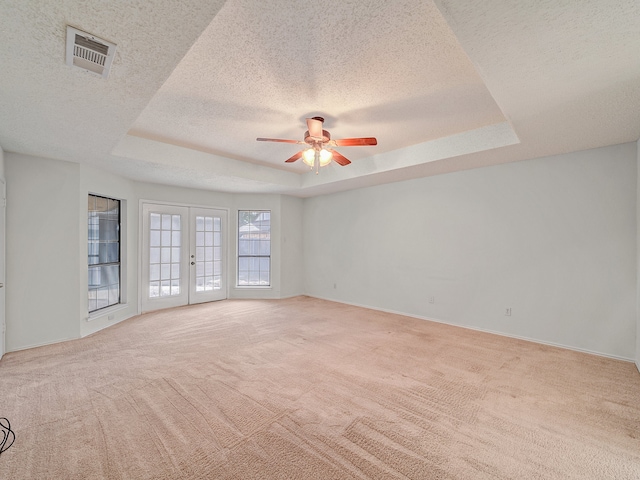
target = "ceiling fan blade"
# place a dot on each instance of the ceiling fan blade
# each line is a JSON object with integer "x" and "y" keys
{"x": 315, "y": 128}
{"x": 356, "y": 142}
{"x": 294, "y": 157}
{"x": 339, "y": 158}
{"x": 277, "y": 140}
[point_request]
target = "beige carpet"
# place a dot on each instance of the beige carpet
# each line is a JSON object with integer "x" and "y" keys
{"x": 309, "y": 389}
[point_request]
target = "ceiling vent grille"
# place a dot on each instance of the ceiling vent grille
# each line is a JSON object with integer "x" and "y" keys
{"x": 88, "y": 52}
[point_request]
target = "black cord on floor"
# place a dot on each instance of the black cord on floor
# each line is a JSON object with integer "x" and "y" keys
{"x": 7, "y": 433}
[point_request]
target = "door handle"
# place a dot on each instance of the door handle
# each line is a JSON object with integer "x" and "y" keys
{"x": 193, "y": 263}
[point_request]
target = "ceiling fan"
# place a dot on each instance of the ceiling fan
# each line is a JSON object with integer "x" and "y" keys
{"x": 317, "y": 140}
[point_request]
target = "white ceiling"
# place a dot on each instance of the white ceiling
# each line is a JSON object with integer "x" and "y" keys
{"x": 443, "y": 85}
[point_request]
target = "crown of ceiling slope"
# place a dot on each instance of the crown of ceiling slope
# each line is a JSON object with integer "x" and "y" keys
{"x": 317, "y": 139}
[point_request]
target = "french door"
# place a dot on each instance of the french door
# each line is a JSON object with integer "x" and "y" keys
{"x": 183, "y": 255}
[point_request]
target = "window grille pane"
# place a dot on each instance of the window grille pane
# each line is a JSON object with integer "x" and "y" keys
{"x": 154, "y": 272}
{"x": 113, "y": 252}
{"x": 175, "y": 238}
{"x": 243, "y": 263}
{"x": 154, "y": 238}
{"x": 165, "y": 271}
{"x": 102, "y": 204}
{"x": 155, "y": 221}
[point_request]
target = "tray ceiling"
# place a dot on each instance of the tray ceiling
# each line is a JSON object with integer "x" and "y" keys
{"x": 444, "y": 86}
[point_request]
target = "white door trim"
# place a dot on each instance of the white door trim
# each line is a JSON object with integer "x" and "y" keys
{"x": 143, "y": 276}
{"x": 3, "y": 216}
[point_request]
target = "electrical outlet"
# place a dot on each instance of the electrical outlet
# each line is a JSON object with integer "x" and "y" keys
{"x": 432, "y": 299}
{"x": 335, "y": 285}
{"x": 507, "y": 311}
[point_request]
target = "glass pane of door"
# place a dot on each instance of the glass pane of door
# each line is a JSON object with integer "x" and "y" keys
{"x": 207, "y": 259}
{"x": 208, "y": 253}
{"x": 165, "y": 251}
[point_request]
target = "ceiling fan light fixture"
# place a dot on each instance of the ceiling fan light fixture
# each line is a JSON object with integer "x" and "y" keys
{"x": 309, "y": 156}
{"x": 325, "y": 157}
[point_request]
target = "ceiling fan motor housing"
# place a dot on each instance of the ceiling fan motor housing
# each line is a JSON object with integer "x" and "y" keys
{"x": 326, "y": 136}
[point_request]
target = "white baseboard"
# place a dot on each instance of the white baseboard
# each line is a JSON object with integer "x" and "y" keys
{"x": 36, "y": 345}
{"x": 478, "y": 329}
{"x": 110, "y": 324}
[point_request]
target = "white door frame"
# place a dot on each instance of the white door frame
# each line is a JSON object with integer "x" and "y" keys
{"x": 3, "y": 215}
{"x": 144, "y": 250}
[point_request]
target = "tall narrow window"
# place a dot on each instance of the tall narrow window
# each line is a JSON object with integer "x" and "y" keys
{"x": 254, "y": 248}
{"x": 104, "y": 252}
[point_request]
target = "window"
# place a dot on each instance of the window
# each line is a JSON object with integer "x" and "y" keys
{"x": 254, "y": 248}
{"x": 103, "y": 252}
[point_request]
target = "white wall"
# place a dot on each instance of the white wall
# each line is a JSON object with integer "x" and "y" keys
{"x": 292, "y": 276}
{"x": 638, "y": 259}
{"x": 1, "y": 163}
{"x": 42, "y": 251}
{"x": 2, "y": 261}
{"x": 552, "y": 238}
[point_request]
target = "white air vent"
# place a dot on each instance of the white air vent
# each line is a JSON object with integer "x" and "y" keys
{"x": 88, "y": 52}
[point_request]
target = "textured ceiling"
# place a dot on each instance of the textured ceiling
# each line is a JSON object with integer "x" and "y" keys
{"x": 368, "y": 67}
{"x": 444, "y": 86}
